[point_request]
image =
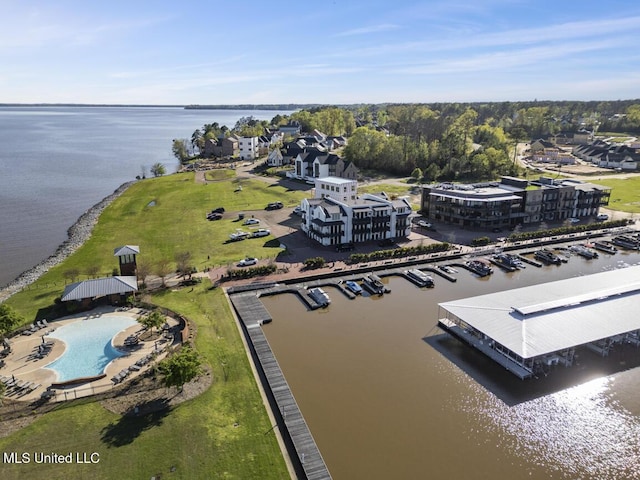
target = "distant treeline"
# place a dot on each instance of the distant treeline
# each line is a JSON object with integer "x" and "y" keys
{"x": 249, "y": 106}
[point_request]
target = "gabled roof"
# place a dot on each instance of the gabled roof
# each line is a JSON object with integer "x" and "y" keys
{"x": 100, "y": 287}
{"x": 126, "y": 250}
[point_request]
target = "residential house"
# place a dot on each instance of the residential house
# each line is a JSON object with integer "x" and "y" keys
{"x": 291, "y": 128}
{"x": 315, "y": 164}
{"x": 275, "y": 158}
{"x": 221, "y": 147}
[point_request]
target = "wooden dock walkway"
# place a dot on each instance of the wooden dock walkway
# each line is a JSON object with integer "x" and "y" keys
{"x": 307, "y": 455}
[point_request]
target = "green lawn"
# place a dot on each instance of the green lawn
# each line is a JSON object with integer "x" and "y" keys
{"x": 224, "y": 433}
{"x": 164, "y": 216}
{"x": 625, "y": 193}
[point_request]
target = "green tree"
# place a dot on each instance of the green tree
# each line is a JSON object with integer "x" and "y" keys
{"x": 158, "y": 169}
{"x": 180, "y": 368}
{"x": 9, "y": 318}
{"x": 152, "y": 320}
{"x": 416, "y": 174}
{"x": 179, "y": 149}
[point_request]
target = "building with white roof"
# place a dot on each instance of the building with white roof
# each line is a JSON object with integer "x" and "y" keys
{"x": 337, "y": 215}
{"x": 526, "y": 330}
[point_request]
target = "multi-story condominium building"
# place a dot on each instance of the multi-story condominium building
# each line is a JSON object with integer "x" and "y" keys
{"x": 248, "y": 147}
{"x": 337, "y": 215}
{"x": 512, "y": 202}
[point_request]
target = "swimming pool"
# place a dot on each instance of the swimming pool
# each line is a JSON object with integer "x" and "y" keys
{"x": 88, "y": 346}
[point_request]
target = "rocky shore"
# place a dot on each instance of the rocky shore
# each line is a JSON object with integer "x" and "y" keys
{"x": 77, "y": 234}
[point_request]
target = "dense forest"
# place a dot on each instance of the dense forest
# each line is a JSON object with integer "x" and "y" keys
{"x": 446, "y": 141}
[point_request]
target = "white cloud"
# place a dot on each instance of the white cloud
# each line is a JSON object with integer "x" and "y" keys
{"x": 385, "y": 27}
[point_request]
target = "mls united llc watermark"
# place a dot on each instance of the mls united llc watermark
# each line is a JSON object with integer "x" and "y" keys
{"x": 53, "y": 457}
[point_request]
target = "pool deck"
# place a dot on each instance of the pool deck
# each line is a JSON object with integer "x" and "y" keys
{"x": 22, "y": 364}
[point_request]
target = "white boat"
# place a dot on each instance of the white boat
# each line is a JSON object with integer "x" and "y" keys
{"x": 320, "y": 296}
{"x": 373, "y": 284}
{"x": 419, "y": 277}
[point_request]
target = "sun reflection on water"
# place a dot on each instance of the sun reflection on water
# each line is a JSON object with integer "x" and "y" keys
{"x": 581, "y": 431}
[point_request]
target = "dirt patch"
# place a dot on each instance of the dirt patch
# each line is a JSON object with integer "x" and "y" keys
{"x": 149, "y": 396}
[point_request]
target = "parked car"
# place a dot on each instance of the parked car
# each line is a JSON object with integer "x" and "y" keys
{"x": 574, "y": 220}
{"x": 251, "y": 221}
{"x": 602, "y": 217}
{"x": 261, "y": 232}
{"x": 247, "y": 262}
{"x": 424, "y": 224}
{"x": 218, "y": 210}
{"x": 274, "y": 206}
{"x": 297, "y": 210}
{"x": 214, "y": 216}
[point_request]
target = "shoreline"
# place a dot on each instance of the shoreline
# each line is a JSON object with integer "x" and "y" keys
{"x": 77, "y": 234}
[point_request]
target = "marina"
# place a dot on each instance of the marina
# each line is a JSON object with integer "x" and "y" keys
{"x": 288, "y": 337}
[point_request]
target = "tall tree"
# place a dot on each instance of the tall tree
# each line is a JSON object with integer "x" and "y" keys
{"x": 180, "y": 368}
{"x": 179, "y": 149}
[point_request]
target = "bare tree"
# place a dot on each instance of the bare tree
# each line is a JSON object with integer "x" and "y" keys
{"x": 183, "y": 261}
{"x": 163, "y": 268}
{"x": 143, "y": 270}
{"x": 71, "y": 274}
{"x": 92, "y": 271}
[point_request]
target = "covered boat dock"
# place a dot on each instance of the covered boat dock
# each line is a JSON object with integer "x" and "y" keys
{"x": 528, "y": 330}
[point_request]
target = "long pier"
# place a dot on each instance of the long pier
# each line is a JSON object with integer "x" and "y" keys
{"x": 305, "y": 455}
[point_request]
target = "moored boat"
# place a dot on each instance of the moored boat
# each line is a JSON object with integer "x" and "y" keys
{"x": 373, "y": 284}
{"x": 479, "y": 267}
{"x": 506, "y": 261}
{"x": 604, "y": 246}
{"x": 626, "y": 241}
{"x": 320, "y": 296}
{"x": 547, "y": 256}
{"x": 419, "y": 277}
{"x": 353, "y": 287}
{"x": 583, "y": 251}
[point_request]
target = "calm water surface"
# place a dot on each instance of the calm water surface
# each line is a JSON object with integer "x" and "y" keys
{"x": 57, "y": 162}
{"x": 387, "y": 395}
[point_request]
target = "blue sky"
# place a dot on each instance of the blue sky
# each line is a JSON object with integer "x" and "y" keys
{"x": 326, "y": 51}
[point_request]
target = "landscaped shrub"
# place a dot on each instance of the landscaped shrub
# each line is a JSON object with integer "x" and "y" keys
{"x": 480, "y": 241}
{"x": 315, "y": 262}
{"x": 552, "y": 232}
{"x": 399, "y": 252}
{"x": 259, "y": 271}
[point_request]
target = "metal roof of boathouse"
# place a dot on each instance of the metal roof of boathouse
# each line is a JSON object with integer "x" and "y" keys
{"x": 550, "y": 317}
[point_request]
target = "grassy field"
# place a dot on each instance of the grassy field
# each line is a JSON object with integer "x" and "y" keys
{"x": 625, "y": 193}
{"x": 164, "y": 216}
{"x": 224, "y": 433}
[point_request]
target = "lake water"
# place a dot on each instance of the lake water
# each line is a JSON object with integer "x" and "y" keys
{"x": 57, "y": 162}
{"x": 388, "y": 395}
